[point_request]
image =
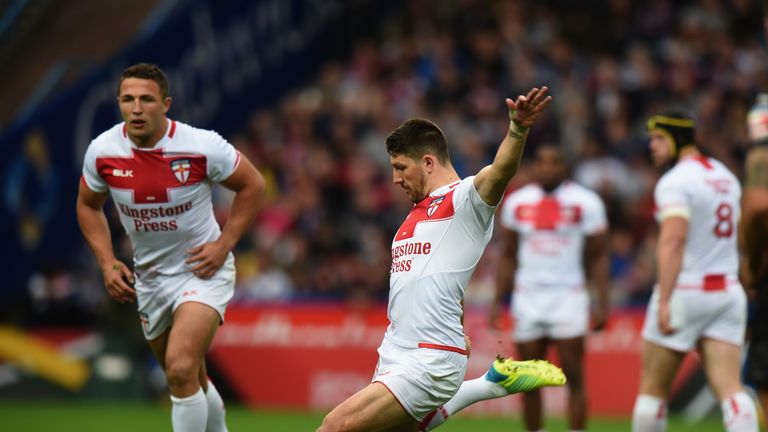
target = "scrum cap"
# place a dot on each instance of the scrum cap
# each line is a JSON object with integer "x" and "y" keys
{"x": 677, "y": 126}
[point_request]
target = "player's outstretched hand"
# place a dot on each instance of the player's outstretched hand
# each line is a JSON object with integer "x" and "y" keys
{"x": 525, "y": 110}
{"x": 207, "y": 258}
{"x": 118, "y": 279}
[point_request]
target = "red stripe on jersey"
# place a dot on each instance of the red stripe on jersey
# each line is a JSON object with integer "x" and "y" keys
{"x": 151, "y": 174}
{"x": 429, "y": 209}
{"x": 443, "y": 348}
{"x": 705, "y": 161}
{"x": 702, "y": 160}
{"x": 173, "y": 129}
{"x": 734, "y": 406}
{"x": 125, "y": 131}
{"x": 715, "y": 282}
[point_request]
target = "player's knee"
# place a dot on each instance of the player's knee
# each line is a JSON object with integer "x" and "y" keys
{"x": 181, "y": 370}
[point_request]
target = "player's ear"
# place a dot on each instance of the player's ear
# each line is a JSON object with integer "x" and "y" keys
{"x": 167, "y": 103}
{"x": 428, "y": 162}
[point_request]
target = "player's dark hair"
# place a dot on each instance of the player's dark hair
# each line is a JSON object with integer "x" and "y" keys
{"x": 417, "y": 137}
{"x": 148, "y": 71}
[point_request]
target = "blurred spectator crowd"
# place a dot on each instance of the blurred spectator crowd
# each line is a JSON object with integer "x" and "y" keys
{"x": 325, "y": 231}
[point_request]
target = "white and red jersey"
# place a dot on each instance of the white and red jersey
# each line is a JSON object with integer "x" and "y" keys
{"x": 162, "y": 194}
{"x": 434, "y": 253}
{"x": 551, "y": 229}
{"x": 707, "y": 194}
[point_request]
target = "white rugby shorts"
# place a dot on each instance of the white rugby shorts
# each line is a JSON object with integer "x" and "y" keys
{"x": 550, "y": 313}
{"x": 421, "y": 379}
{"x": 697, "y": 314}
{"x": 159, "y": 297}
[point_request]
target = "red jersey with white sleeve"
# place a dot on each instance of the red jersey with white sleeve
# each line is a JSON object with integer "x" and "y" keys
{"x": 552, "y": 227}
{"x": 707, "y": 194}
{"x": 162, "y": 194}
{"x": 434, "y": 253}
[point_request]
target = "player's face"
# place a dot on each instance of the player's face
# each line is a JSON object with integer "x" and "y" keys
{"x": 661, "y": 148}
{"x": 142, "y": 107}
{"x": 409, "y": 175}
{"x": 550, "y": 169}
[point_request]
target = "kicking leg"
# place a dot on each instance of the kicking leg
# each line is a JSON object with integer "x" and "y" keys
{"x": 504, "y": 377}
{"x": 373, "y": 409}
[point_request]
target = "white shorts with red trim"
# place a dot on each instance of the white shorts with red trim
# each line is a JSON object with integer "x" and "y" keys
{"x": 159, "y": 297}
{"x": 554, "y": 314}
{"x": 696, "y": 313}
{"x": 421, "y": 379}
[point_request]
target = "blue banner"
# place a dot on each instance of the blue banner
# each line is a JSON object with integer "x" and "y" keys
{"x": 223, "y": 60}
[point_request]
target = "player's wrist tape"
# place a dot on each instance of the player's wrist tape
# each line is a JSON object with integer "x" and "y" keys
{"x": 517, "y": 131}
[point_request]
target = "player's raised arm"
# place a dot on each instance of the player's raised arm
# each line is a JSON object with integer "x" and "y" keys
{"x": 93, "y": 224}
{"x": 492, "y": 180}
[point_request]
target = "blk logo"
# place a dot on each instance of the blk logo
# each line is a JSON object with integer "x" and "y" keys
{"x": 122, "y": 173}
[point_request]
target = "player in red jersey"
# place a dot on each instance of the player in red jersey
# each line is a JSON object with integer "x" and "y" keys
{"x": 418, "y": 382}
{"x": 159, "y": 173}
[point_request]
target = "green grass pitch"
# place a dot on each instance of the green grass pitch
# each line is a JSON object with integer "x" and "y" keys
{"x": 131, "y": 417}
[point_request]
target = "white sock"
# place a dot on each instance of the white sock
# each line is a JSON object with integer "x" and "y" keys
{"x": 470, "y": 392}
{"x": 649, "y": 415}
{"x": 189, "y": 414}
{"x": 739, "y": 413}
{"x": 216, "y": 410}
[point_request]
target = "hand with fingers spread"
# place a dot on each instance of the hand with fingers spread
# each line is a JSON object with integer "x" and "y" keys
{"x": 207, "y": 258}
{"x": 525, "y": 110}
{"x": 119, "y": 281}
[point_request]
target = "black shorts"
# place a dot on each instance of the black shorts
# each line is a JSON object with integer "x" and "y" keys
{"x": 757, "y": 357}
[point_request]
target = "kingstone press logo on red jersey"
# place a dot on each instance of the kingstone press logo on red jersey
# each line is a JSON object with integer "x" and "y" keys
{"x": 408, "y": 249}
{"x": 143, "y": 217}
